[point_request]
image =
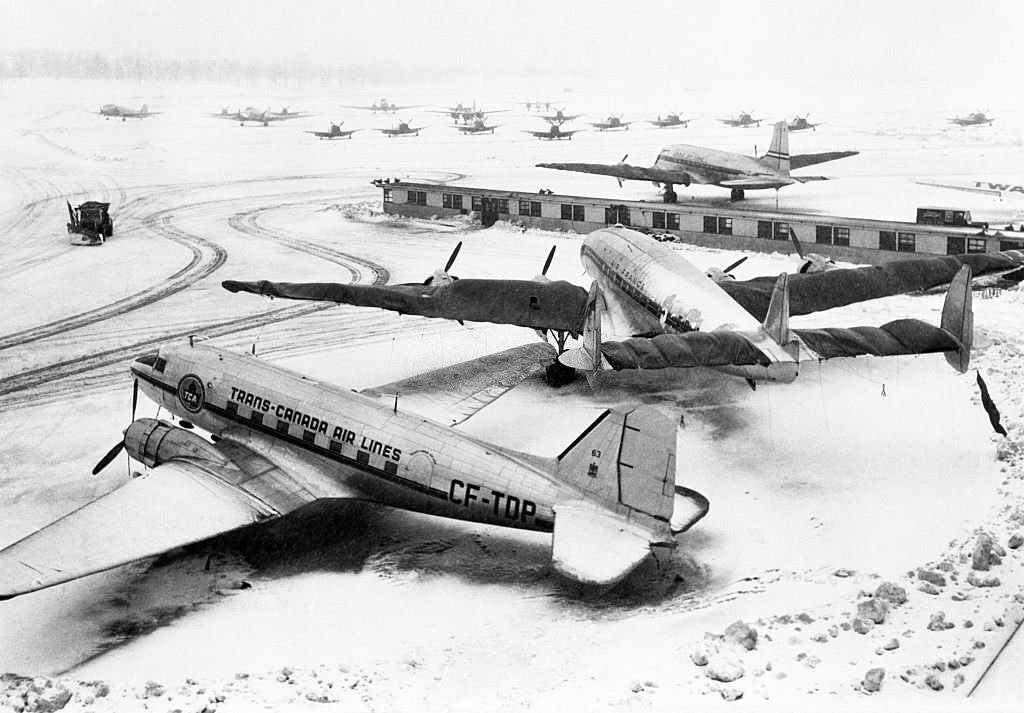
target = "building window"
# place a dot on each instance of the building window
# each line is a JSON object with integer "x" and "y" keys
{"x": 710, "y": 224}
{"x": 451, "y": 200}
{"x": 566, "y": 211}
{"x": 840, "y": 236}
{"x": 477, "y": 203}
{"x": 534, "y": 209}
{"x": 887, "y": 240}
{"x": 907, "y": 242}
{"x": 416, "y": 197}
{"x": 1011, "y": 245}
{"x": 502, "y": 205}
{"x": 823, "y": 234}
{"x": 781, "y": 231}
{"x": 954, "y": 245}
{"x": 578, "y": 213}
{"x": 389, "y": 195}
{"x": 764, "y": 229}
{"x": 524, "y": 207}
{"x": 672, "y": 222}
{"x": 724, "y": 225}
{"x": 657, "y": 219}
{"x": 977, "y": 245}
{"x": 616, "y": 214}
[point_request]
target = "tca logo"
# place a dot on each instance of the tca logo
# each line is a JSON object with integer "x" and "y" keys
{"x": 191, "y": 393}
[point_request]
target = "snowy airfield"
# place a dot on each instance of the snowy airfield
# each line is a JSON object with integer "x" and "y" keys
{"x": 862, "y": 472}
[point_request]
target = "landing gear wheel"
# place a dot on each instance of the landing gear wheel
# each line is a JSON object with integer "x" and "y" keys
{"x": 558, "y": 374}
{"x": 669, "y": 196}
{"x": 736, "y": 195}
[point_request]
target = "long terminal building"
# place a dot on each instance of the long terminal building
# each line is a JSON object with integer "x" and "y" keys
{"x": 860, "y": 240}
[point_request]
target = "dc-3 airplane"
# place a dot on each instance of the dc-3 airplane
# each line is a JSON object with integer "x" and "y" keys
{"x": 681, "y": 164}
{"x": 403, "y": 129}
{"x": 477, "y": 127}
{"x": 256, "y": 116}
{"x": 385, "y": 106}
{"x": 335, "y": 132}
{"x": 113, "y": 110}
{"x": 669, "y": 121}
{"x": 800, "y": 123}
{"x": 610, "y": 124}
{"x": 975, "y": 118}
{"x": 281, "y": 440}
{"x": 742, "y": 119}
{"x": 554, "y": 133}
{"x": 643, "y": 288}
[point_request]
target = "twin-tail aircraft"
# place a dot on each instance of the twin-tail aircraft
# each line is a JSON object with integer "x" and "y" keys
{"x": 280, "y": 440}
{"x": 113, "y": 110}
{"x": 649, "y": 289}
{"x": 681, "y": 164}
{"x": 256, "y": 116}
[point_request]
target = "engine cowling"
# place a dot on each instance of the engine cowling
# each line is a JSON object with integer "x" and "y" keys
{"x": 153, "y": 442}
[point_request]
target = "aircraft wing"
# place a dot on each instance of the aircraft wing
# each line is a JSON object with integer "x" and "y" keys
{"x": 454, "y": 393}
{"x": 626, "y": 171}
{"x": 814, "y": 292}
{"x": 593, "y": 546}
{"x": 177, "y": 503}
{"x": 535, "y": 304}
{"x": 811, "y": 159}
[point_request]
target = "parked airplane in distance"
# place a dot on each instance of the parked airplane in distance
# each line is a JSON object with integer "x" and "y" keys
{"x": 537, "y": 105}
{"x": 554, "y": 133}
{"x": 610, "y": 124}
{"x": 257, "y": 116}
{"x": 385, "y": 106}
{"x": 115, "y": 110}
{"x": 477, "y": 127}
{"x": 281, "y": 440}
{"x": 681, "y": 164}
{"x": 560, "y": 117}
{"x": 335, "y": 132}
{"x": 669, "y": 121}
{"x": 742, "y": 119}
{"x": 403, "y": 129}
{"x": 973, "y": 119}
{"x": 466, "y": 114}
{"x": 800, "y": 123}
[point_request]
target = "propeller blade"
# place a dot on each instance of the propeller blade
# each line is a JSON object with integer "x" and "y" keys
{"x": 547, "y": 263}
{"x": 451, "y": 260}
{"x": 735, "y": 264}
{"x": 105, "y": 460}
{"x": 135, "y": 397}
{"x": 796, "y": 242}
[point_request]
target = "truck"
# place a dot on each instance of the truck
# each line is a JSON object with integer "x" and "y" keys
{"x": 90, "y": 223}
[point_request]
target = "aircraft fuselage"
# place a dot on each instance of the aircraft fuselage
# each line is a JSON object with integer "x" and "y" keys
{"x": 343, "y": 442}
{"x": 713, "y": 166}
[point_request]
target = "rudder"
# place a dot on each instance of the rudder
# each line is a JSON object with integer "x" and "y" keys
{"x": 778, "y": 153}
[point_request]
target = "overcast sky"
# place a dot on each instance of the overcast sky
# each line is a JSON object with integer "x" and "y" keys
{"x": 713, "y": 41}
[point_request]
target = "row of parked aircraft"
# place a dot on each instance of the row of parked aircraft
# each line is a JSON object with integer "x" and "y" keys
{"x": 279, "y": 440}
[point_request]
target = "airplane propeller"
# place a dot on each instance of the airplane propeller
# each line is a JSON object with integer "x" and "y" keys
{"x": 718, "y": 275}
{"x": 442, "y": 276}
{"x": 547, "y": 263}
{"x": 621, "y": 161}
{"x": 113, "y": 452}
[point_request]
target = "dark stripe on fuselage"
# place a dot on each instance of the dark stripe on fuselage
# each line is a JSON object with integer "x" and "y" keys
{"x": 298, "y": 442}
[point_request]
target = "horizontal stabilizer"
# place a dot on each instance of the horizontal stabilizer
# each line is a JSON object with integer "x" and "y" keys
{"x": 175, "y": 504}
{"x": 594, "y": 547}
{"x": 812, "y": 159}
{"x": 454, "y": 393}
{"x": 689, "y": 349}
{"x": 899, "y": 337}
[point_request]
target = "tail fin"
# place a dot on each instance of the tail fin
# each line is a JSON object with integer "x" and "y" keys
{"x": 587, "y": 357}
{"x": 958, "y": 318}
{"x": 778, "y": 153}
{"x": 776, "y": 321}
{"x": 626, "y": 459}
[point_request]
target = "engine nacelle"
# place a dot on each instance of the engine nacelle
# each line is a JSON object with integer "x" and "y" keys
{"x": 154, "y": 442}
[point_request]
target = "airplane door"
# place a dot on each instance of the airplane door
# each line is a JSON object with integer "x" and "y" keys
{"x": 488, "y": 211}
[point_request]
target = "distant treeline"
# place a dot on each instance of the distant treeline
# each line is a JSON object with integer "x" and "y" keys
{"x": 59, "y": 64}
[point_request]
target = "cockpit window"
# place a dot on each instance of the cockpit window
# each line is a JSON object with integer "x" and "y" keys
{"x": 159, "y": 364}
{"x": 153, "y": 360}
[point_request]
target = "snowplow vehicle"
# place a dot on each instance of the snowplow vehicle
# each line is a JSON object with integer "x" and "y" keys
{"x": 90, "y": 223}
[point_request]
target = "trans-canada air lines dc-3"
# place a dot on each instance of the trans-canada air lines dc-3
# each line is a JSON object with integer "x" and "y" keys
{"x": 281, "y": 440}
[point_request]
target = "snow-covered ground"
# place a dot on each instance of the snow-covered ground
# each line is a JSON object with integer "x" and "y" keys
{"x": 860, "y": 473}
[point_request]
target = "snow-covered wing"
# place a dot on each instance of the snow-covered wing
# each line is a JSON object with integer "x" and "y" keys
{"x": 175, "y": 504}
{"x": 454, "y": 393}
{"x": 593, "y": 546}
